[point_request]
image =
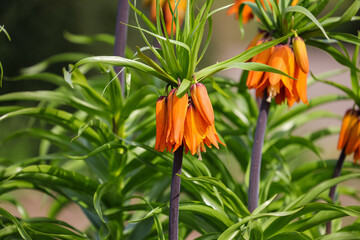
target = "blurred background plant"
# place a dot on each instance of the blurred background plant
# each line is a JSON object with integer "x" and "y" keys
{"x": 110, "y": 169}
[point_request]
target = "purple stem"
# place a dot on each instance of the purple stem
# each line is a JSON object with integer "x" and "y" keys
{"x": 122, "y": 16}
{"x": 174, "y": 194}
{"x": 337, "y": 173}
{"x": 253, "y": 195}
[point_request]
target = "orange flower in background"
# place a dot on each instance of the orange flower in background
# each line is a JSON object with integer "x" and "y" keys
{"x": 186, "y": 121}
{"x": 246, "y": 13}
{"x": 168, "y": 16}
{"x": 349, "y": 121}
{"x": 349, "y": 137}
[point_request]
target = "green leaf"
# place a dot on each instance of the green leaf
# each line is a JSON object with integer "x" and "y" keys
{"x": 241, "y": 58}
{"x": 307, "y": 13}
{"x": 237, "y": 205}
{"x": 18, "y": 225}
{"x": 1, "y": 74}
{"x": 256, "y": 232}
{"x": 84, "y": 39}
{"x": 110, "y": 145}
{"x": 63, "y": 57}
{"x": 54, "y": 116}
{"x": 341, "y": 235}
{"x": 335, "y": 53}
{"x": 277, "y": 120}
{"x": 345, "y": 37}
{"x": 343, "y": 88}
{"x": 290, "y": 235}
{"x": 46, "y": 77}
{"x": 124, "y": 62}
{"x": 100, "y": 191}
{"x": 232, "y": 231}
{"x": 184, "y": 87}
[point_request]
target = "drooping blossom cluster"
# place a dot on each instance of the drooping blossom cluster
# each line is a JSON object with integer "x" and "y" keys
{"x": 168, "y": 8}
{"x": 187, "y": 121}
{"x": 291, "y": 60}
{"x": 349, "y": 138}
{"x": 247, "y": 13}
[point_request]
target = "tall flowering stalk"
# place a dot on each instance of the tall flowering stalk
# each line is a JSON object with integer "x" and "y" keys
{"x": 183, "y": 123}
{"x": 289, "y": 57}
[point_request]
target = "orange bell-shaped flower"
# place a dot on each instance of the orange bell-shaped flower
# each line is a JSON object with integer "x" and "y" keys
{"x": 202, "y": 102}
{"x": 180, "y": 6}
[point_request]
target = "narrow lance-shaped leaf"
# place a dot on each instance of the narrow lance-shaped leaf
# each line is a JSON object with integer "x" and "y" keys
{"x": 306, "y": 12}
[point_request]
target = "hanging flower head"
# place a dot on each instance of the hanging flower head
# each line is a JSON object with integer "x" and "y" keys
{"x": 292, "y": 61}
{"x": 187, "y": 121}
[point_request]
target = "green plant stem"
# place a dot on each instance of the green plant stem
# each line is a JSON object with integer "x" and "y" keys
{"x": 253, "y": 194}
{"x": 174, "y": 194}
{"x": 337, "y": 173}
{"x": 122, "y": 16}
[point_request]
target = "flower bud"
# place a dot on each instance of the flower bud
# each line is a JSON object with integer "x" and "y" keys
{"x": 301, "y": 54}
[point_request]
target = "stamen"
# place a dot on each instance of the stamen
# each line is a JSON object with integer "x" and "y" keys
{"x": 199, "y": 153}
{"x": 272, "y": 92}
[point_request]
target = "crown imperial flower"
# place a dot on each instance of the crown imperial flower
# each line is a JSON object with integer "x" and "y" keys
{"x": 165, "y": 5}
{"x": 187, "y": 121}
{"x": 279, "y": 87}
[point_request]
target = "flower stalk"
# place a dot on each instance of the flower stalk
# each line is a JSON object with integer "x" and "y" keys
{"x": 121, "y": 28}
{"x": 174, "y": 194}
{"x": 253, "y": 194}
{"x": 337, "y": 173}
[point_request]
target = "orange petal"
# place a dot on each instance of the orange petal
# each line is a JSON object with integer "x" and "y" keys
{"x": 160, "y": 143}
{"x": 255, "y": 40}
{"x": 246, "y": 13}
{"x": 278, "y": 60}
{"x": 353, "y": 136}
{"x": 169, "y": 115}
{"x": 356, "y": 155}
{"x": 254, "y": 77}
{"x": 179, "y": 109}
{"x": 294, "y": 2}
{"x": 301, "y": 84}
{"x": 348, "y": 122}
{"x": 194, "y": 130}
{"x": 288, "y": 82}
{"x": 202, "y": 102}
{"x": 179, "y": 13}
{"x": 212, "y": 137}
{"x": 301, "y": 53}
